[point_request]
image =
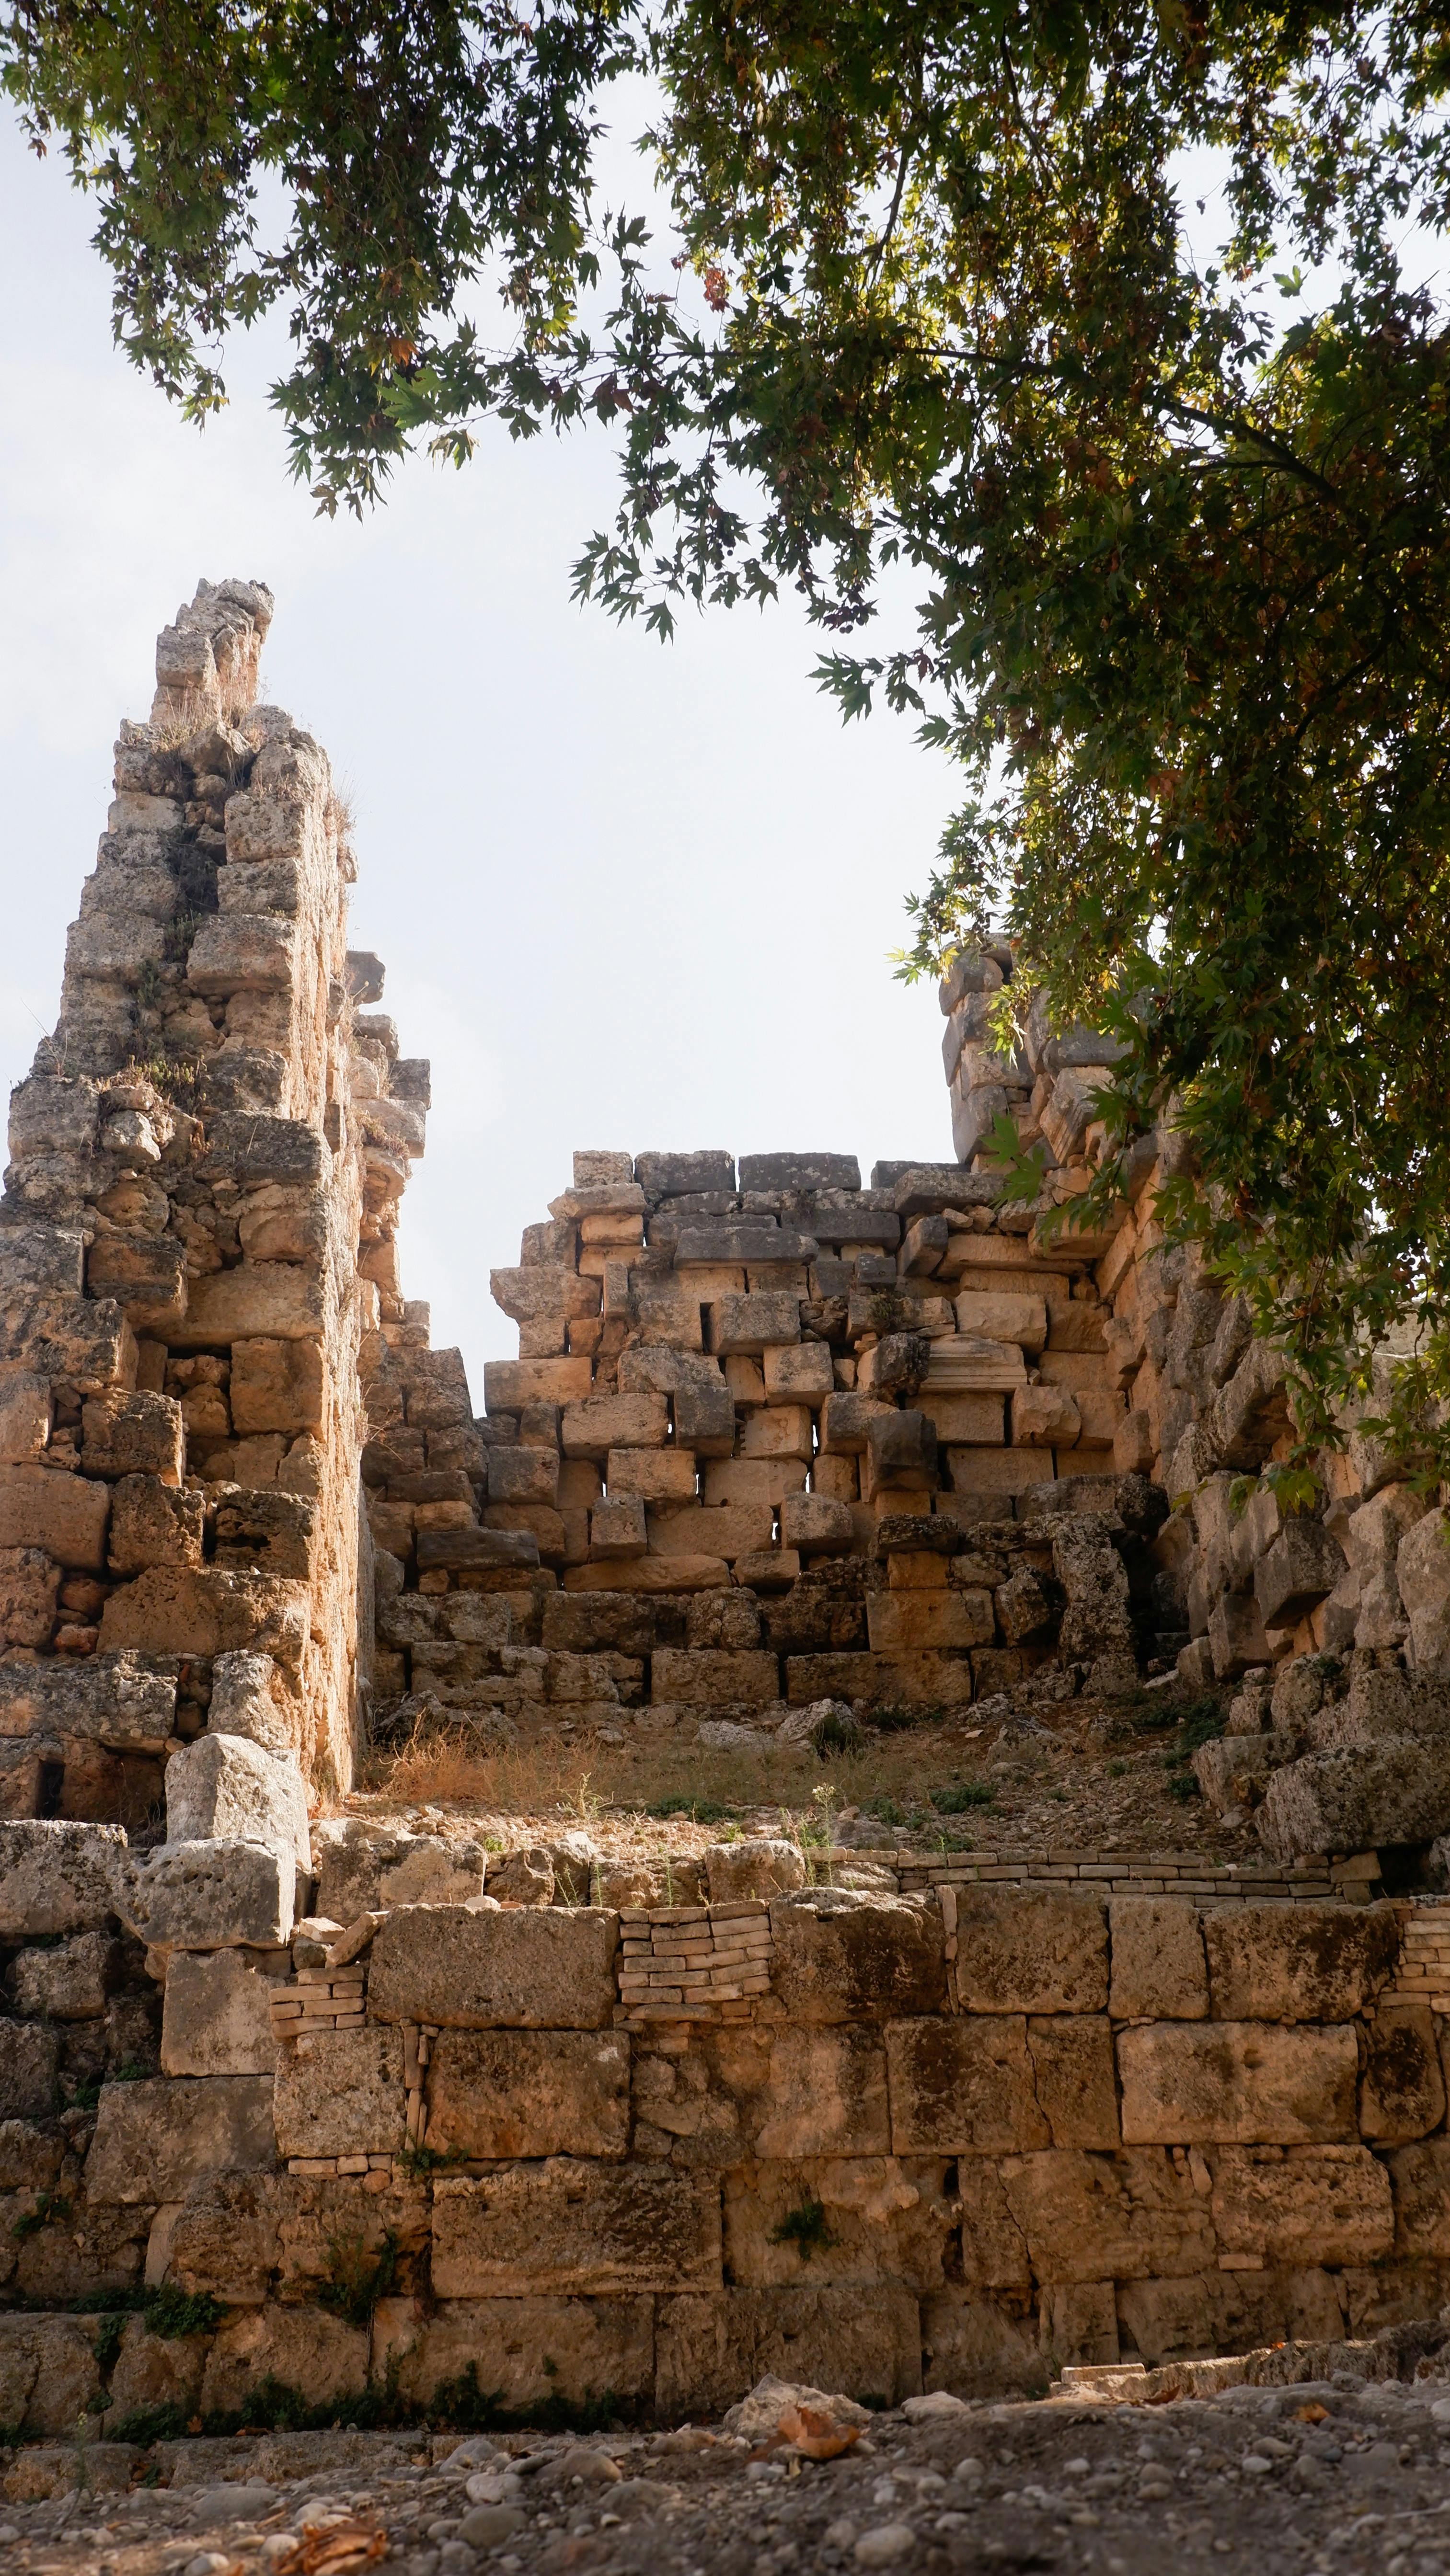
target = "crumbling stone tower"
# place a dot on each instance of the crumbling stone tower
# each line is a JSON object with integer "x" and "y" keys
{"x": 195, "y": 1253}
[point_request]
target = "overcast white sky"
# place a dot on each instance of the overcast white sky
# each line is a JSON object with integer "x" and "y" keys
{"x": 628, "y": 895}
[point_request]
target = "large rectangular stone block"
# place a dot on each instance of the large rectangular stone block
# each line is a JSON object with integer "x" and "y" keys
{"x": 1298, "y": 1962}
{"x": 224, "y": 1788}
{"x": 529, "y": 2093}
{"x": 1030, "y": 1949}
{"x": 842, "y": 1956}
{"x": 883, "y": 2219}
{"x": 154, "y": 2139}
{"x": 747, "y": 1326}
{"x": 709, "y": 2352}
{"x": 998, "y": 2083}
{"x": 49, "y": 2375}
{"x": 216, "y": 2018}
{"x": 976, "y": 2347}
{"x": 133, "y": 1435}
{"x": 963, "y": 2087}
{"x": 63, "y": 1513}
{"x": 58, "y": 1877}
{"x": 104, "y": 1699}
{"x": 1084, "y": 2217}
{"x": 1298, "y": 2205}
{"x": 565, "y": 2225}
{"x": 340, "y": 2093}
{"x": 526, "y": 2353}
{"x": 1159, "y": 1969}
{"x": 824, "y": 2094}
{"x": 1238, "y": 2083}
{"x": 714, "y": 1677}
{"x": 280, "y": 1300}
{"x": 210, "y": 1896}
{"x": 523, "y": 1968}
{"x": 599, "y": 1423}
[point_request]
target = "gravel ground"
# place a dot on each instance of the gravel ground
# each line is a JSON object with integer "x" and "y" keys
{"x": 1326, "y": 2479}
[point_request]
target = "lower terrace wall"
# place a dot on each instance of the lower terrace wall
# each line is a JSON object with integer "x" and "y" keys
{"x": 879, "y": 2142}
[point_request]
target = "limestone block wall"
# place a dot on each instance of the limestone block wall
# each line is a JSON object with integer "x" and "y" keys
{"x": 1337, "y": 1620}
{"x": 536, "y": 2152}
{"x": 205, "y": 1164}
{"x": 771, "y": 1438}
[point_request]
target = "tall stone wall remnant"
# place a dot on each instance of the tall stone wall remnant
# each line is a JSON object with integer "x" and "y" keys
{"x": 206, "y": 1162}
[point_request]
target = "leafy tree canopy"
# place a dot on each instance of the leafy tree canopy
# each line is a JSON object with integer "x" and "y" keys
{"x": 927, "y": 305}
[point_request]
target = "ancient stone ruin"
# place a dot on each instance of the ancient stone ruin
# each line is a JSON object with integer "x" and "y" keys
{"x": 778, "y": 1452}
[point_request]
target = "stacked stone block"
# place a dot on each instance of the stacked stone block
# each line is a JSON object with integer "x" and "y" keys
{"x": 952, "y": 2139}
{"x": 1337, "y": 1619}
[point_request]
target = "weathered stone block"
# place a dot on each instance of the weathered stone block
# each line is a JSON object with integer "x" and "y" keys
{"x": 527, "y": 2093}
{"x": 1074, "y": 2079}
{"x": 216, "y": 2017}
{"x": 1420, "y": 2181}
{"x": 532, "y": 2351}
{"x": 146, "y": 1275}
{"x": 277, "y": 1385}
{"x": 709, "y": 2352}
{"x": 208, "y": 1610}
{"x": 1354, "y": 1798}
{"x": 1242, "y": 2083}
{"x": 747, "y": 1326}
{"x": 58, "y": 1877}
{"x": 842, "y": 1956}
{"x": 1298, "y": 1569}
{"x": 66, "y": 1515}
{"x": 976, "y": 2347}
{"x": 157, "y": 2370}
{"x": 278, "y": 1300}
{"x": 564, "y": 2225}
{"x": 1030, "y": 1950}
{"x": 302, "y": 2348}
{"x": 340, "y": 2093}
{"x": 755, "y": 1866}
{"x": 715, "y": 1678}
{"x": 1422, "y": 1566}
{"x": 29, "y": 2058}
{"x": 210, "y": 1895}
{"x": 1086, "y": 2217}
{"x": 223, "y": 1788}
{"x": 108, "y": 1699}
{"x": 154, "y": 1524}
{"x": 591, "y": 1428}
{"x": 885, "y": 2219}
{"x": 154, "y": 2138}
{"x": 1159, "y": 1968}
{"x": 963, "y": 2087}
{"x": 362, "y": 1866}
{"x": 29, "y": 1583}
{"x": 1302, "y": 2204}
{"x": 49, "y": 2376}
{"x": 133, "y": 1435}
{"x": 1402, "y": 2084}
{"x": 519, "y": 1969}
{"x": 823, "y": 2094}
{"x": 1298, "y": 1962}
{"x": 71, "y": 1983}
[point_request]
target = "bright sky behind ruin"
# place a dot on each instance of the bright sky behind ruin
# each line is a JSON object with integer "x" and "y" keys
{"x": 627, "y": 895}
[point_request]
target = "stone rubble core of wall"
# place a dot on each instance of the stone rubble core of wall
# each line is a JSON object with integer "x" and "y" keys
{"x": 950, "y": 2139}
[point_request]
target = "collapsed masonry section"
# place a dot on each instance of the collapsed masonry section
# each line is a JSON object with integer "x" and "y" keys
{"x": 206, "y": 1164}
{"x": 1337, "y": 1620}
